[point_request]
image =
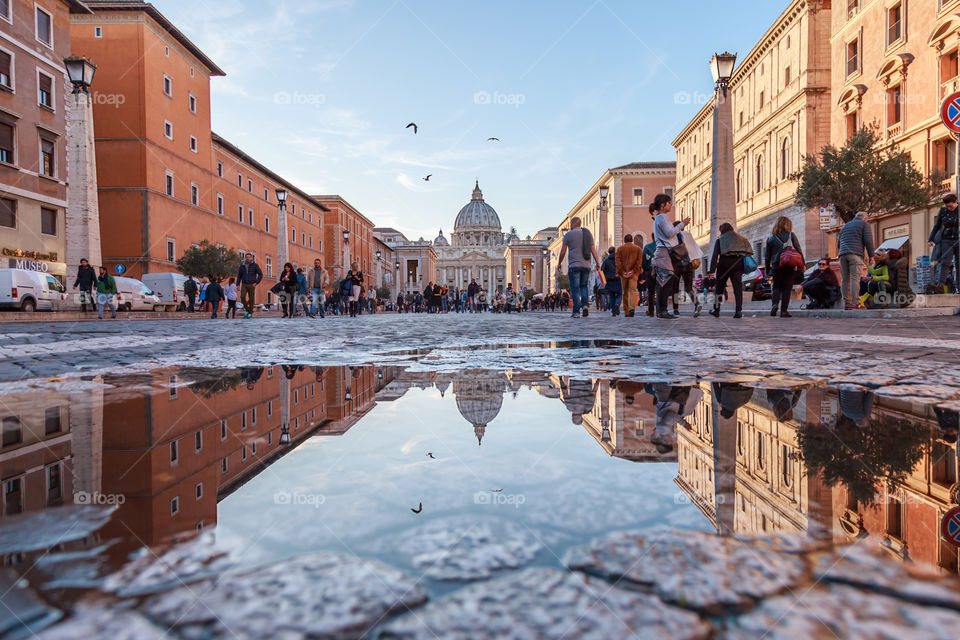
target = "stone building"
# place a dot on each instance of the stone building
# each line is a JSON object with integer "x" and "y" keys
{"x": 475, "y": 249}
{"x": 781, "y": 113}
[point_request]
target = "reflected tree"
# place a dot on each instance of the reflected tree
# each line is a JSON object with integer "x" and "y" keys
{"x": 210, "y": 383}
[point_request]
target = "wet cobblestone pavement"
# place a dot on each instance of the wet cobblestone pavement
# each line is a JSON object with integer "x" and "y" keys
{"x": 480, "y": 477}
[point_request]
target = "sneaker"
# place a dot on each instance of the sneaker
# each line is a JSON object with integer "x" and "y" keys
{"x": 676, "y": 313}
{"x": 715, "y": 313}
{"x": 574, "y": 315}
{"x": 586, "y": 312}
{"x": 697, "y": 310}
{"x": 738, "y": 314}
{"x": 667, "y": 316}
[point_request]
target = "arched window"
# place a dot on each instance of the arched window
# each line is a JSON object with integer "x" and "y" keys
{"x": 706, "y": 206}
{"x": 786, "y": 159}
{"x": 760, "y": 175}
{"x": 739, "y": 186}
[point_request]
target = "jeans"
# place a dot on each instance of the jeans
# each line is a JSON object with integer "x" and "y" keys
{"x": 318, "y": 300}
{"x": 851, "y": 268}
{"x": 579, "y": 287}
{"x": 105, "y": 299}
{"x": 302, "y": 299}
{"x": 86, "y": 297}
{"x": 246, "y": 296}
{"x": 947, "y": 249}
{"x": 192, "y": 297}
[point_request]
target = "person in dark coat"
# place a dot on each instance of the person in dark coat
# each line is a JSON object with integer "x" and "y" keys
{"x": 86, "y": 278}
{"x": 727, "y": 262}
{"x": 822, "y": 287}
{"x": 288, "y": 296}
{"x": 781, "y": 238}
{"x": 945, "y": 236}
{"x": 214, "y": 294}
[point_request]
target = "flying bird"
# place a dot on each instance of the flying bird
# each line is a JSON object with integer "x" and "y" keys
{"x": 414, "y": 125}
{"x": 494, "y": 139}
{"x": 427, "y": 179}
{"x": 430, "y": 455}
{"x": 418, "y": 509}
{"x": 496, "y": 490}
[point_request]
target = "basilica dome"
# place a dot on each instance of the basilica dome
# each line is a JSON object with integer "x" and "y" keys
{"x": 477, "y": 213}
{"x": 479, "y": 398}
{"x": 440, "y": 241}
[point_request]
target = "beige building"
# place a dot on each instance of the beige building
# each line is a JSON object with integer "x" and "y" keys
{"x": 893, "y": 63}
{"x": 527, "y": 261}
{"x": 781, "y": 112}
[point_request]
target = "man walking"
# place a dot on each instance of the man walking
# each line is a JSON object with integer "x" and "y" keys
{"x": 106, "y": 289}
{"x": 629, "y": 267}
{"x": 86, "y": 277}
{"x": 319, "y": 280}
{"x": 854, "y": 239}
{"x": 472, "y": 290}
{"x": 249, "y": 276}
{"x": 944, "y": 236}
{"x": 579, "y": 242}
{"x": 190, "y": 290}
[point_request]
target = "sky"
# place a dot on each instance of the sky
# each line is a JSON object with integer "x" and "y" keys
{"x": 321, "y": 91}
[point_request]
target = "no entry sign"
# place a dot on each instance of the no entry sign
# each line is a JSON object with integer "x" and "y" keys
{"x": 950, "y": 526}
{"x": 950, "y": 112}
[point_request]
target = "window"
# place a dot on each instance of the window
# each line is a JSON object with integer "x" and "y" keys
{"x": 175, "y": 506}
{"x": 223, "y": 429}
{"x": 5, "y": 10}
{"x": 48, "y": 163}
{"x": 12, "y": 497}
{"x": 169, "y": 183}
{"x": 786, "y": 158}
{"x": 240, "y": 213}
{"x": 853, "y": 57}
{"x": 12, "y": 433}
{"x": 739, "y": 438}
{"x": 193, "y": 72}
{"x": 266, "y": 223}
{"x": 44, "y": 27}
{"x": 166, "y": 51}
{"x": 761, "y": 454}
{"x": 253, "y": 448}
{"x": 243, "y": 453}
{"x": 51, "y": 421}
{"x": 174, "y": 452}
{"x": 193, "y": 144}
{"x": 851, "y": 124}
{"x": 269, "y": 408}
{"x": 239, "y": 179}
{"x": 894, "y": 525}
{"x": 243, "y": 421}
{"x": 249, "y": 185}
{"x": 54, "y": 485}
{"x": 98, "y": 32}
{"x": 894, "y": 23}
{"x": 6, "y": 69}
{"x": 167, "y": 85}
{"x": 786, "y": 463}
{"x": 219, "y": 169}
{"x": 253, "y": 415}
{"x": 48, "y": 221}
{"x": 250, "y": 217}
{"x": 171, "y": 250}
{"x": 949, "y": 67}
{"x": 44, "y": 90}
{"x": 638, "y": 197}
{"x": 220, "y": 203}
{"x": 787, "y": 77}
{"x": 761, "y": 99}
{"x": 168, "y": 129}
{"x": 303, "y": 238}
{"x": 894, "y": 110}
{"x": 739, "y": 186}
{"x": 193, "y": 104}
{"x": 293, "y": 234}
{"x": 199, "y": 490}
{"x": 852, "y": 7}
{"x": 266, "y": 194}
{"x": 223, "y": 466}
{"x": 269, "y": 264}
{"x": 310, "y": 241}
{"x": 944, "y": 464}
{"x": 194, "y": 194}
{"x": 760, "y": 174}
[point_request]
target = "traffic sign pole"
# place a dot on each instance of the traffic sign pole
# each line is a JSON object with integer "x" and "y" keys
{"x": 950, "y": 115}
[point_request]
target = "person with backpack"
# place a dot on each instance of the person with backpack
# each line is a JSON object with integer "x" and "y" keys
{"x": 190, "y": 290}
{"x": 86, "y": 278}
{"x": 666, "y": 234}
{"x": 786, "y": 260}
{"x": 613, "y": 289}
{"x": 579, "y": 242}
{"x": 106, "y": 290}
{"x": 213, "y": 294}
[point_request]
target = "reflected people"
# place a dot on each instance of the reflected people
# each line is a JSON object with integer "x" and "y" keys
{"x": 578, "y": 396}
{"x": 673, "y": 405}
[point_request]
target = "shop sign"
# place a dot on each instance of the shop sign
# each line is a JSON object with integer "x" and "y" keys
{"x": 8, "y": 252}
{"x": 30, "y": 265}
{"x": 896, "y": 232}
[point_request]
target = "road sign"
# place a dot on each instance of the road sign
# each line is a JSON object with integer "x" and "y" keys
{"x": 950, "y": 112}
{"x": 828, "y": 219}
{"x": 120, "y": 269}
{"x": 950, "y": 526}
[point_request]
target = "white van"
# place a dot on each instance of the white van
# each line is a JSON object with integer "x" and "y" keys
{"x": 30, "y": 290}
{"x": 169, "y": 288}
{"x": 133, "y": 295}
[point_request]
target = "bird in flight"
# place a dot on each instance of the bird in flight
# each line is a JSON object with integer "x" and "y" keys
{"x": 418, "y": 509}
{"x": 414, "y": 125}
{"x": 493, "y": 139}
{"x": 431, "y": 456}
{"x": 496, "y": 490}
{"x": 427, "y": 179}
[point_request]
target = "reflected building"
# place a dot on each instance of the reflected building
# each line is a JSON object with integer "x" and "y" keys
{"x": 479, "y": 396}
{"x": 623, "y": 421}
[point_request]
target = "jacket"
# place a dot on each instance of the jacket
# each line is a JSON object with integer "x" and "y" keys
{"x": 106, "y": 284}
{"x": 827, "y": 276}
{"x": 315, "y": 276}
{"x": 214, "y": 292}
{"x": 301, "y": 284}
{"x": 189, "y": 287}
{"x": 289, "y": 281}
{"x": 648, "y": 251}
{"x": 629, "y": 258}
{"x": 776, "y": 244}
{"x": 86, "y": 276}
{"x": 880, "y": 273}
{"x": 609, "y": 268}
{"x": 855, "y": 238}
{"x": 249, "y": 273}
{"x": 946, "y": 225}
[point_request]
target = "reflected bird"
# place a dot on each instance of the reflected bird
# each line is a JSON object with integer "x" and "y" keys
{"x": 418, "y": 509}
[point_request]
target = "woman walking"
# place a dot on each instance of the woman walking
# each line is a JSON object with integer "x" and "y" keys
{"x": 213, "y": 295}
{"x": 288, "y": 280}
{"x": 727, "y": 263}
{"x": 613, "y": 288}
{"x": 666, "y": 236}
{"x": 230, "y": 291}
{"x": 786, "y": 259}
{"x": 357, "y": 280}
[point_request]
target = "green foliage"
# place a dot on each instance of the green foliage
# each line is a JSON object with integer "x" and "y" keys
{"x": 563, "y": 282}
{"x": 209, "y": 260}
{"x": 865, "y": 174}
{"x": 383, "y": 293}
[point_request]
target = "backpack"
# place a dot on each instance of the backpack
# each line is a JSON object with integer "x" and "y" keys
{"x": 789, "y": 257}
{"x": 189, "y": 287}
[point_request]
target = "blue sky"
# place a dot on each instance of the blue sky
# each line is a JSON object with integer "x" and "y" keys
{"x": 321, "y": 90}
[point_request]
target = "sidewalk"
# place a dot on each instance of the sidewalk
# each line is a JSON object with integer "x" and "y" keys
{"x": 19, "y": 317}
{"x": 923, "y": 307}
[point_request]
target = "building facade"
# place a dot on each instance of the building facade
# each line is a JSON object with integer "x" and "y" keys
{"x": 35, "y": 95}
{"x": 528, "y": 261}
{"x": 348, "y": 237}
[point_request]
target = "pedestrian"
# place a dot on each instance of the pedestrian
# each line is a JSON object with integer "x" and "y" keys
{"x": 106, "y": 289}
{"x": 302, "y": 293}
{"x": 822, "y": 287}
{"x": 613, "y": 288}
{"x": 355, "y": 290}
{"x": 727, "y": 263}
{"x": 579, "y": 242}
{"x": 372, "y": 300}
{"x": 201, "y": 297}
{"x": 510, "y": 299}
{"x": 249, "y": 276}
{"x": 785, "y": 259}
{"x": 86, "y": 278}
{"x": 213, "y": 295}
{"x": 318, "y": 280}
{"x": 287, "y": 290}
{"x": 230, "y": 293}
{"x": 666, "y": 234}
{"x": 853, "y": 242}
{"x": 190, "y": 289}
{"x": 944, "y": 236}
{"x": 649, "y": 250}
{"x": 344, "y": 291}
{"x": 877, "y": 282}
{"x": 629, "y": 267}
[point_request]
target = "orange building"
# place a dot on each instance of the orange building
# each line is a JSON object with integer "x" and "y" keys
{"x": 166, "y": 181}
{"x": 348, "y": 235}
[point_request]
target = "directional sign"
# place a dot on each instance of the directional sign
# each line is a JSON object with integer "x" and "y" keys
{"x": 120, "y": 269}
{"x": 950, "y": 526}
{"x": 950, "y": 112}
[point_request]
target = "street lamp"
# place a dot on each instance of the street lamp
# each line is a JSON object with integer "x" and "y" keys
{"x": 82, "y": 215}
{"x": 80, "y": 71}
{"x": 283, "y": 253}
{"x": 723, "y": 202}
{"x": 604, "y": 190}
{"x": 346, "y": 251}
{"x": 285, "y": 434}
{"x": 722, "y": 65}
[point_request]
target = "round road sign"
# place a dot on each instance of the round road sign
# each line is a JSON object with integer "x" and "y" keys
{"x": 950, "y": 526}
{"x": 950, "y": 112}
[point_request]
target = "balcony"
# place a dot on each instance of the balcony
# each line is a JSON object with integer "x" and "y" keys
{"x": 948, "y": 87}
{"x": 894, "y": 130}
{"x": 946, "y": 186}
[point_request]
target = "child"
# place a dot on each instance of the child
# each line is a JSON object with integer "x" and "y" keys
{"x": 213, "y": 294}
{"x": 231, "y": 294}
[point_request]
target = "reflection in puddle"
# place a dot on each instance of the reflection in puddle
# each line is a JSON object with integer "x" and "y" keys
{"x": 510, "y": 468}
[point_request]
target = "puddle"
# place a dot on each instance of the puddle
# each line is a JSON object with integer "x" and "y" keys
{"x": 452, "y": 477}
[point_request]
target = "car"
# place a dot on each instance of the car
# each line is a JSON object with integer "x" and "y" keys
{"x": 756, "y": 283}
{"x": 133, "y": 295}
{"x": 169, "y": 288}
{"x": 27, "y": 290}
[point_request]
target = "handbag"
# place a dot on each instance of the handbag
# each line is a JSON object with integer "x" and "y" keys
{"x": 276, "y": 289}
{"x": 749, "y": 264}
{"x": 679, "y": 256}
{"x": 789, "y": 257}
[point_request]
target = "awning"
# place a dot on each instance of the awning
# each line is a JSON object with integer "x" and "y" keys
{"x": 894, "y": 243}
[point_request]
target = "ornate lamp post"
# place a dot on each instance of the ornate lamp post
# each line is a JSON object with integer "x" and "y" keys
{"x": 346, "y": 251}
{"x": 546, "y": 271}
{"x": 379, "y": 280}
{"x": 603, "y": 239}
{"x": 723, "y": 204}
{"x": 283, "y": 252}
{"x": 83, "y": 210}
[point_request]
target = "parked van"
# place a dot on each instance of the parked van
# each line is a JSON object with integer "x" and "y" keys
{"x": 169, "y": 288}
{"x": 30, "y": 290}
{"x": 133, "y": 295}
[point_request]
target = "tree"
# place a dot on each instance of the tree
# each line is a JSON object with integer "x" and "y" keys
{"x": 208, "y": 259}
{"x": 864, "y": 175}
{"x": 383, "y": 293}
{"x": 563, "y": 282}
